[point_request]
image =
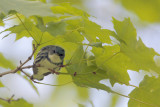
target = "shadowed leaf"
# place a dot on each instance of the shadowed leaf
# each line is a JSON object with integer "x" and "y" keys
{"x": 27, "y": 8}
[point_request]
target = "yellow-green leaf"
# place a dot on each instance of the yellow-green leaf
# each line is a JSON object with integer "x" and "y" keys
{"x": 148, "y": 92}
{"x": 19, "y": 103}
{"x": 115, "y": 63}
{"x": 5, "y": 63}
{"x": 85, "y": 76}
{"x": 135, "y": 49}
{"x": 147, "y": 10}
{"x": 1, "y": 85}
{"x": 92, "y": 30}
{"x": 20, "y": 30}
{"x": 1, "y": 19}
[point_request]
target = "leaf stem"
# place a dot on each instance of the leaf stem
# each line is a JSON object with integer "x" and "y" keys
{"x": 44, "y": 83}
{"x": 21, "y": 64}
{"x": 9, "y": 100}
{"x": 134, "y": 99}
{"x": 26, "y": 28}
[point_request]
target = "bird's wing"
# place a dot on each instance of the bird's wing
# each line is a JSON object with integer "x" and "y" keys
{"x": 42, "y": 54}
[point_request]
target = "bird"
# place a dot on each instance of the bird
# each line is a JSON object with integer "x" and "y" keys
{"x": 48, "y": 60}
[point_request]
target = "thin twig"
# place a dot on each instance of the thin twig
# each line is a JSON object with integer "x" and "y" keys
{"x": 26, "y": 28}
{"x": 134, "y": 99}
{"x": 44, "y": 83}
{"x": 9, "y": 100}
{"x": 27, "y": 67}
{"x": 21, "y": 65}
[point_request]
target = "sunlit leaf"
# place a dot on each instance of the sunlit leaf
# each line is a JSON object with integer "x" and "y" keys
{"x": 1, "y": 85}
{"x": 135, "y": 49}
{"x": 19, "y": 103}
{"x": 21, "y": 30}
{"x": 77, "y": 2}
{"x": 83, "y": 93}
{"x": 115, "y": 63}
{"x": 148, "y": 92}
{"x": 27, "y": 8}
{"x": 81, "y": 105}
{"x": 147, "y": 10}
{"x": 92, "y": 30}
{"x": 73, "y": 36}
{"x": 114, "y": 101}
{"x": 64, "y": 8}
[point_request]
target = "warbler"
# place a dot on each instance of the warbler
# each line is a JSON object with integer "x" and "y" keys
{"x": 48, "y": 60}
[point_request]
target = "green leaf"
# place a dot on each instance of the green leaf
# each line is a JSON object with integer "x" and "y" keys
{"x": 1, "y": 19}
{"x": 56, "y": 28}
{"x": 27, "y": 8}
{"x": 92, "y": 30}
{"x": 144, "y": 9}
{"x": 73, "y": 36}
{"x": 83, "y": 93}
{"x": 1, "y": 85}
{"x": 5, "y": 63}
{"x": 135, "y": 49}
{"x": 20, "y": 30}
{"x": 19, "y": 103}
{"x": 77, "y": 2}
{"x": 114, "y": 100}
{"x": 148, "y": 92}
{"x": 85, "y": 76}
{"x": 64, "y": 8}
{"x": 1, "y": 15}
{"x": 81, "y": 105}
{"x": 40, "y": 24}
{"x": 115, "y": 63}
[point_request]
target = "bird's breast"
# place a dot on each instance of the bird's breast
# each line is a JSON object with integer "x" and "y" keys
{"x": 55, "y": 58}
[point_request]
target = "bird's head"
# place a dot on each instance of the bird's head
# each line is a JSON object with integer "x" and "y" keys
{"x": 56, "y": 50}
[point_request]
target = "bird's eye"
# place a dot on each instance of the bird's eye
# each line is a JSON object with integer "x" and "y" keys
{"x": 60, "y": 54}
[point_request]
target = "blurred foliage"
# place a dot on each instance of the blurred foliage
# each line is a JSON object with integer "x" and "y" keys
{"x": 147, "y": 10}
{"x": 114, "y": 100}
{"x": 1, "y": 19}
{"x": 67, "y": 26}
{"x": 27, "y": 8}
{"x": 1, "y": 85}
{"x": 148, "y": 92}
{"x": 18, "y": 103}
{"x": 5, "y": 63}
{"x": 77, "y": 2}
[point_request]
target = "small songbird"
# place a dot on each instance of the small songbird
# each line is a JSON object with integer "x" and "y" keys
{"x": 48, "y": 60}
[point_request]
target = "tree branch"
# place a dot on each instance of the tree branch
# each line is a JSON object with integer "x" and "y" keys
{"x": 21, "y": 64}
{"x": 9, "y": 100}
